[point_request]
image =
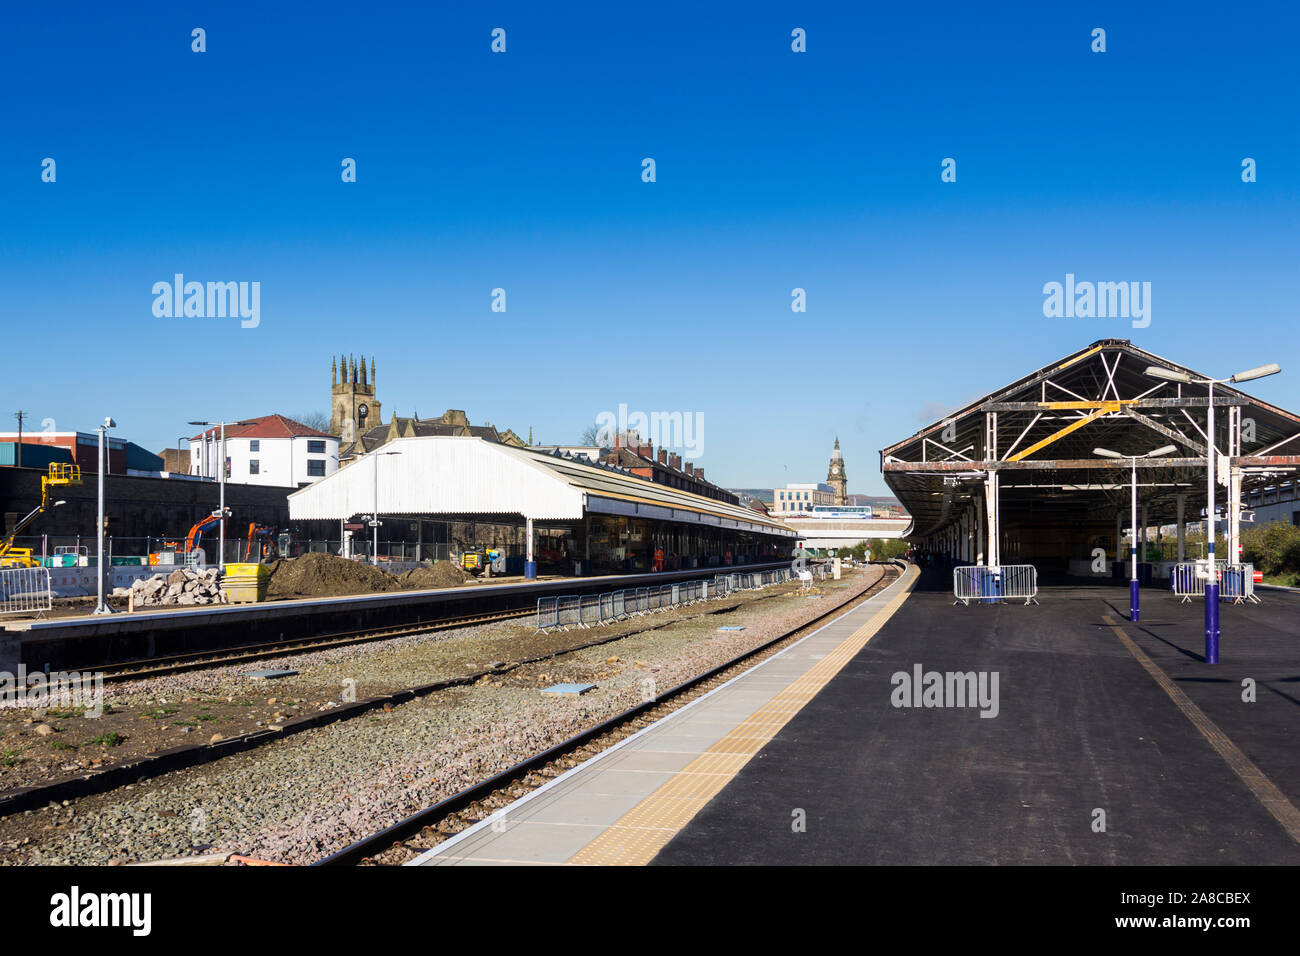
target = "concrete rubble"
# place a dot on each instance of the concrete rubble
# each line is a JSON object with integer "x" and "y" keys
{"x": 184, "y": 586}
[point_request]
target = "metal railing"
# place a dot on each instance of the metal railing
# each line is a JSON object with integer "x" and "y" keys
{"x": 594, "y": 610}
{"x": 25, "y": 590}
{"x": 994, "y": 585}
{"x": 1236, "y": 581}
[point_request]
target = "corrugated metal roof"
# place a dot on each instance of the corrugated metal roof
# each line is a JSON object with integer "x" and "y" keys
{"x": 617, "y": 485}
{"x": 461, "y": 475}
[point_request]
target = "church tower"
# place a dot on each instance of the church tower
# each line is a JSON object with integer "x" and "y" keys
{"x": 836, "y": 478}
{"x": 353, "y": 408}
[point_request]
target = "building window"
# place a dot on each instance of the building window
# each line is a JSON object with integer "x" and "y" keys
{"x": 316, "y": 447}
{"x": 316, "y": 467}
{"x": 254, "y": 468}
{"x": 253, "y": 445}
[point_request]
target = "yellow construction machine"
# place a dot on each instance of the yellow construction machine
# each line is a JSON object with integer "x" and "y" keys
{"x": 61, "y": 473}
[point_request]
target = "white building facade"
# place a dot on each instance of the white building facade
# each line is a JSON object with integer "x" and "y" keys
{"x": 793, "y": 499}
{"x": 271, "y": 450}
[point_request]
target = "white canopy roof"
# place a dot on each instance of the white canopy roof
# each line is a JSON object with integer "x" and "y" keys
{"x": 446, "y": 475}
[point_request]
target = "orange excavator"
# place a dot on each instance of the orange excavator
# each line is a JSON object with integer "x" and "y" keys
{"x": 191, "y": 542}
{"x": 261, "y": 543}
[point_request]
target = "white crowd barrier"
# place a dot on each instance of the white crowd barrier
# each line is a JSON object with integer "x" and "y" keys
{"x": 25, "y": 590}
{"x": 993, "y": 585}
{"x": 1236, "y": 581}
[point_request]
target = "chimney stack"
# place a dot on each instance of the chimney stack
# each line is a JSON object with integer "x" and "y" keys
{"x": 675, "y": 462}
{"x": 690, "y": 469}
{"x": 699, "y": 473}
{"x": 663, "y": 456}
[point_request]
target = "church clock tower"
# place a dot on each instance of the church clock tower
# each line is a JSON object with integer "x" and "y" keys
{"x": 353, "y": 407}
{"x": 836, "y": 477}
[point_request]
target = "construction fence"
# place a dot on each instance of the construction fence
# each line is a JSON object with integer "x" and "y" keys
{"x": 594, "y": 610}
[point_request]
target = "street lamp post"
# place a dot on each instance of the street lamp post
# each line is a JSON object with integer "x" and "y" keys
{"x": 100, "y": 606}
{"x": 1134, "y": 587}
{"x": 374, "y": 523}
{"x": 221, "y": 494}
{"x": 1212, "y": 582}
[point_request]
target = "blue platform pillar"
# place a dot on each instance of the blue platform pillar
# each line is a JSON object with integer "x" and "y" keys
{"x": 530, "y": 566}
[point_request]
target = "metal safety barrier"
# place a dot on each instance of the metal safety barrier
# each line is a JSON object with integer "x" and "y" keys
{"x": 25, "y": 590}
{"x": 548, "y": 613}
{"x": 986, "y": 585}
{"x": 570, "y": 611}
{"x": 592, "y": 610}
{"x": 1236, "y": 581}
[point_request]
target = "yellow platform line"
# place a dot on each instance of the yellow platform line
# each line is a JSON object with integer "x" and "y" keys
{"x": 635, "y": 838}
{"x": 1261, "y": 787}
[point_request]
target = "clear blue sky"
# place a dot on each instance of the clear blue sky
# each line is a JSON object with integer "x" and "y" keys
{"x": 523, "y": 171}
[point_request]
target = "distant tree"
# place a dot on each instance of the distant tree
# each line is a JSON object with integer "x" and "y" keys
{"x": 886, "y": 549}
{"x": 594, "y": 436}
{"x": 317, "y": 420}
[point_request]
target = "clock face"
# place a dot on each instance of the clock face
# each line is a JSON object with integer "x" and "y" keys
{"x": 363, "y": 410}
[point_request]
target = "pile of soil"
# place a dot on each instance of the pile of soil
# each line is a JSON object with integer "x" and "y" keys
{"x": 440, "y": 574}
{"x": 325, "y": 575}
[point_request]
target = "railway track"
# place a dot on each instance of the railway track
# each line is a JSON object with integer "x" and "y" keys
{"x": 147, "y": 767}
{"x": 428, "y": 827}
{"x": 199, "y": 660}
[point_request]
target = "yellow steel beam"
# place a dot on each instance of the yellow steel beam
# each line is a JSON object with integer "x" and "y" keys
{"x": 1112, "y": 405}
{"x": 1073, "y": 426}
{"x": 1078, "y": 358}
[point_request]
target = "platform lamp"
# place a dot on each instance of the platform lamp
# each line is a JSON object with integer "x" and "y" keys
{"x": 100, "y": 606}
{"x": 1212, "y": 582}
{"x": 221, "y": 506}
{"x": 342, "y": 521}
{"x": 1133, "y": 586}
{"x": 374, "y": 522}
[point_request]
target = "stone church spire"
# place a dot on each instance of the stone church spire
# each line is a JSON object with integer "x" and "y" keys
{"x": 353, "y": 406}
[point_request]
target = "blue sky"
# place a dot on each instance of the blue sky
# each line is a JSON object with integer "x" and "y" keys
{"x": 522, "y": 171}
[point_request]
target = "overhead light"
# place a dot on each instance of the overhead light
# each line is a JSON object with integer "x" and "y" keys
{"x": 1272, "y": 368}
{"x": 1168, "y": 374}
{"x": 1162, "y": 452}
{"x": 1107, "y": 453}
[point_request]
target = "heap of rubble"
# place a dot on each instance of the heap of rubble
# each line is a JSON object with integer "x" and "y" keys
{"x": 181, "y": 587}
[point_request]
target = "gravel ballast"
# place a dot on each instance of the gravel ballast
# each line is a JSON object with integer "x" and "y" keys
{"x": 297, "y": 800}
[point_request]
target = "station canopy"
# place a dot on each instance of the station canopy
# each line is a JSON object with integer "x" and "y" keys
{"x": 1038, "y": 436}
{"x": 444, "y": 476}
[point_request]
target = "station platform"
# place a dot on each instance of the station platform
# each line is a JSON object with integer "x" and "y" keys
{"x": 86, "y": 642}
{"x": 623, "y": 805}
{"x": 1112, "y": 743}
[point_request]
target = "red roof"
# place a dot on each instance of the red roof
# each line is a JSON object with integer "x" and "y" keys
{"x": 267, "y": 426}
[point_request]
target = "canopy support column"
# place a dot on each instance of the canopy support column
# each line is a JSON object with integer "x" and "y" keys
{"x": 1182, "y": 527}
{"x": 530, "y": 566}
{"x": 991, "y": 502}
